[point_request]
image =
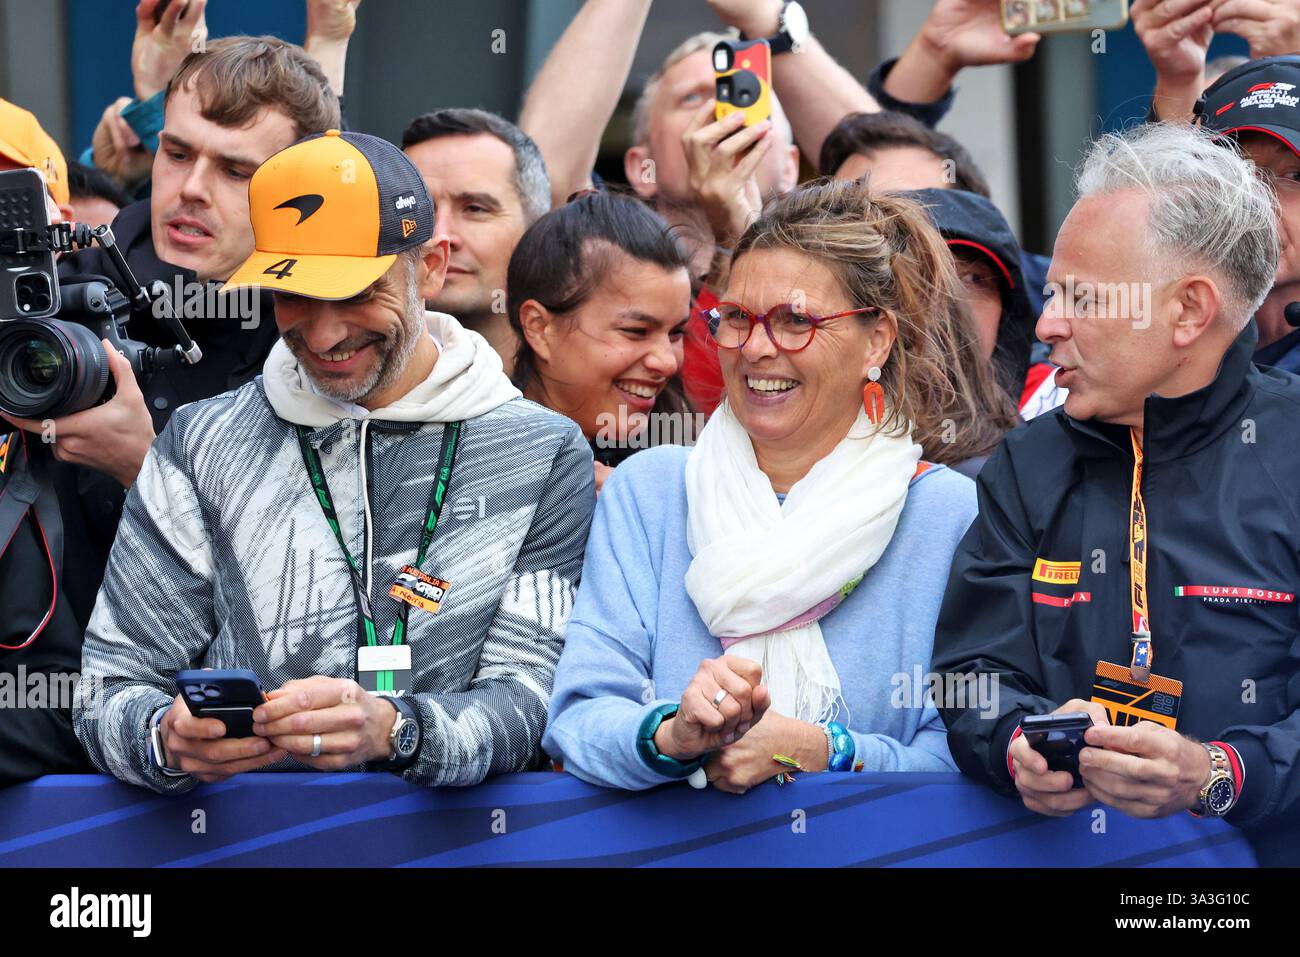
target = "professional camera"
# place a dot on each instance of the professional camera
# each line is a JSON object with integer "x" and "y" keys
{"x": 52, "y": 367}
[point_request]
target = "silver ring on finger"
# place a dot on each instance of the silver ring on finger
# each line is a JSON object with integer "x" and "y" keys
{"x": 719, "y": 698}
{"x": 315, "y": 745}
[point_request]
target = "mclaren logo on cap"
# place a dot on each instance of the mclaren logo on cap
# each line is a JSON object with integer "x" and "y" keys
{"x": 307, "y": 204}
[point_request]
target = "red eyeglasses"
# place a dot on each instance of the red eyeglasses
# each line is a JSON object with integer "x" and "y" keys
{"x": 787, "y": 328}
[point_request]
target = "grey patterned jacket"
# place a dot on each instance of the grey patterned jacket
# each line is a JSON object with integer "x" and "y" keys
{"x": 224, "y": 559}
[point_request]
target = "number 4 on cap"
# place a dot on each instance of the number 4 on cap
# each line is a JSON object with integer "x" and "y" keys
{"x": 280, "y": 270}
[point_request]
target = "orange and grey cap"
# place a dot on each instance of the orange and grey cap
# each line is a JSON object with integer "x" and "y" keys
{"x": 330, "y": 213}
{"x": 25, "y": 142}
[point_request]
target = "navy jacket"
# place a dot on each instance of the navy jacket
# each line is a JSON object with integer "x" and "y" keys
{"x": 973, "y": 222}
{"x": 1223, "y": 510}
{"x": 1283, "y": 354}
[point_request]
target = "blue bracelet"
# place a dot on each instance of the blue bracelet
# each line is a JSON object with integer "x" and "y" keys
{"x": 839, "y": 747}
{"x": 649, "y": 754}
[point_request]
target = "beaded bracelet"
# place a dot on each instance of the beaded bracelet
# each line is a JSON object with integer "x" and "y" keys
{"x": 839, "y": 747}
{"x": 649, "y": 753}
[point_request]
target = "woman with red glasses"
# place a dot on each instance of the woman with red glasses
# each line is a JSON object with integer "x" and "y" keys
{"x": 774, "y": 590}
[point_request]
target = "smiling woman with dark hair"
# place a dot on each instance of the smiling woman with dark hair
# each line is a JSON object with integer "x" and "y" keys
{"x": 813, "y": 544}
{"x": 599, "y": 295}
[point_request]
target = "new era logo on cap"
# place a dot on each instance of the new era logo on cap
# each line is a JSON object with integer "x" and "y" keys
{"x": 339, "y": 206}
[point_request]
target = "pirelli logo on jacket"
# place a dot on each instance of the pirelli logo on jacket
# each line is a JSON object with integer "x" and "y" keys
{"x": 1057, "y": 573}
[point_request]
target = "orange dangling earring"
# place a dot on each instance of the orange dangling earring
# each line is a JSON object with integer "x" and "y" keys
{"x": 873, "y": 396}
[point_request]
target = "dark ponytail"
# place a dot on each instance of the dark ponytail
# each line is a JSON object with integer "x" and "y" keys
{"x": 564, "y": 256}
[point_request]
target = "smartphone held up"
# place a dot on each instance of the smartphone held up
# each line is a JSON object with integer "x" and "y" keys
{"x": 1063, "y": 16}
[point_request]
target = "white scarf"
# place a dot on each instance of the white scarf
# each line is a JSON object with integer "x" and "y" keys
{"x": 467, "y": 381}
{"x": 763, "y": 572}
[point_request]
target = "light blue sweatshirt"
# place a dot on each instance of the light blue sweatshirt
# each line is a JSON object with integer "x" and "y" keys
{"x": 635, "y": 639}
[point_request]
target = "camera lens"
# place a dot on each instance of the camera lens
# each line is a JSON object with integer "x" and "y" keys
{"x": 50, "y": 368}
{"x": 36, "y": 365}
{"x": 746, "y": 88}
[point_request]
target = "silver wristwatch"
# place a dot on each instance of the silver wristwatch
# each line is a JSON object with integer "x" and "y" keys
{"x": 156, "y": 752}
{"x": 1219, "y": 792}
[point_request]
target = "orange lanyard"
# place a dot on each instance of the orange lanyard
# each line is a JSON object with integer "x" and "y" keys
{"x": 1143, "y": 652}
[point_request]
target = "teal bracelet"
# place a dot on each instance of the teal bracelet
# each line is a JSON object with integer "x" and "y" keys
{"x": 840, "y": 747}
{"x": 649, "y": 754}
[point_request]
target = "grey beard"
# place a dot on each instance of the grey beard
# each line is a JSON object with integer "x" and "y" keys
{"x": 392, "y": 362}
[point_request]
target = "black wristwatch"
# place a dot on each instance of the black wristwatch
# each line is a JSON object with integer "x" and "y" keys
{"x": 792, "y": 29}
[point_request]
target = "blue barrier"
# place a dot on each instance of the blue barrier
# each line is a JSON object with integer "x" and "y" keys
{"x": 356, "y": 819}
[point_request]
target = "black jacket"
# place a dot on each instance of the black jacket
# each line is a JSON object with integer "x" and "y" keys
{"x": 1282, "y": 354}
{"x": 35, "y": 741}
{"x": 1223, "y": 509}
{"x": 971, "y": 221}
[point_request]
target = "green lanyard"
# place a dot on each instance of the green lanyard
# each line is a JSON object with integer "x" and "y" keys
{"x": 446, "y": 460}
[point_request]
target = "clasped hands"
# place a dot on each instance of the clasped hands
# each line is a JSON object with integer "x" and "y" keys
{"x": 740, "y": 733}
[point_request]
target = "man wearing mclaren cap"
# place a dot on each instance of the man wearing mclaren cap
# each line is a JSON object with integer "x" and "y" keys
{"x": 379, "y": 526}
{"x": 1258, "y": 105}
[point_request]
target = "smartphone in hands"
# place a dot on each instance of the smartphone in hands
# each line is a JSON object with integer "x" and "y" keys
{"x": 1058, "y": 738}
{"x": 228, "y": 695}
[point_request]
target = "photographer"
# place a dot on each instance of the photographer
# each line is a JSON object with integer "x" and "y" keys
{"x": 227, "y": 110}
{"x": 33, "y": 740}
